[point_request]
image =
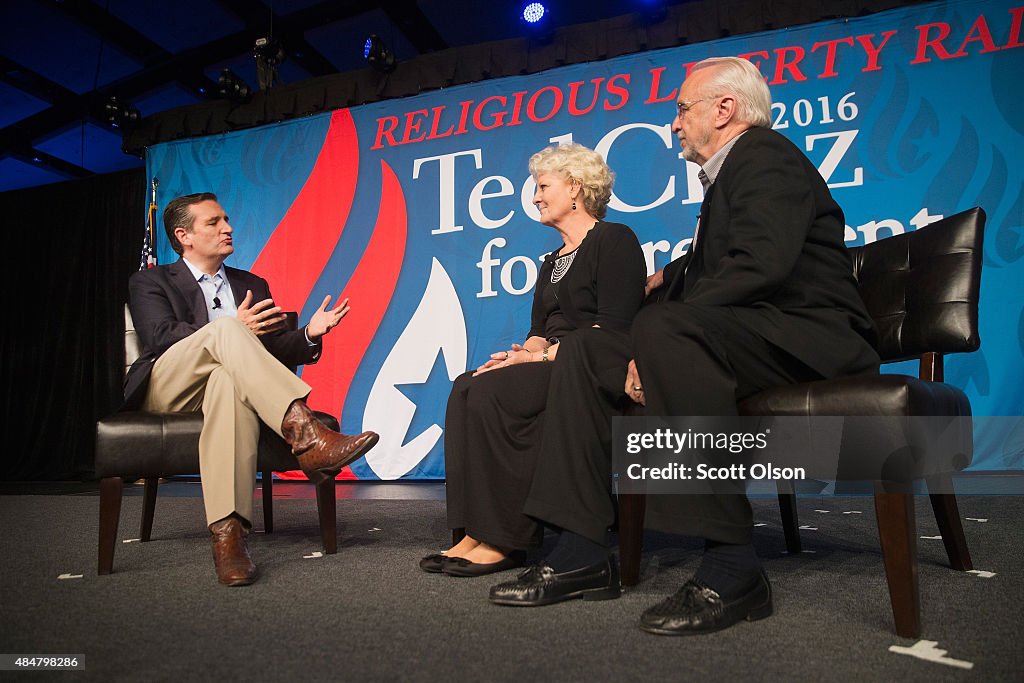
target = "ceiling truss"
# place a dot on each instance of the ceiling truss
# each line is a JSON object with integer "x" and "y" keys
{"x": 187, "y": 68}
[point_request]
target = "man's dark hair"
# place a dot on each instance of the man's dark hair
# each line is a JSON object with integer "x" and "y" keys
{"x": 179, "y": 215}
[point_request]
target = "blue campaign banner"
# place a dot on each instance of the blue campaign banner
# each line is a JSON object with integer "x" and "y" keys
{"x": 419, "y": 209}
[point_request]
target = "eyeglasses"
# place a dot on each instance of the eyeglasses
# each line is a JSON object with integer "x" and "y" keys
{"x": 686, "y": 105}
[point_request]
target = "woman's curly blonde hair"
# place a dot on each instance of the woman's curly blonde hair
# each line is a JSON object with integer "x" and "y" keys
{"x": 576, "y": 163}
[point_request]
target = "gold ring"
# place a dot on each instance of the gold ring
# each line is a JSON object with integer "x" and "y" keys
{"x": 637, "y": 388}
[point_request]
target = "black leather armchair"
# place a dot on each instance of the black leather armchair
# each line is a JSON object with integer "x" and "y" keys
{"x": 135, "y": 445}
{"x": 922, "y": 290}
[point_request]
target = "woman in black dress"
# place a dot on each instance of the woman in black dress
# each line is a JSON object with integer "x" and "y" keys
{"x": 494, "y": 426}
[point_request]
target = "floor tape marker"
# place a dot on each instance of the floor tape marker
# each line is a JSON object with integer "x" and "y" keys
{"x": 981, "y": 574}
{"x": 926, "y": 650}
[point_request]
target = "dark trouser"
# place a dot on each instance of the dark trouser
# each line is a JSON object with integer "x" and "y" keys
{"x": 692, "y": 360}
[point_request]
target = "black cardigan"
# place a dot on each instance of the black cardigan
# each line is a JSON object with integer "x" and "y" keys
{"x": 604, "y": 286}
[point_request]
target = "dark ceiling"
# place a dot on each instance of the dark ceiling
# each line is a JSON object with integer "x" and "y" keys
{"x": 61, "y": 60}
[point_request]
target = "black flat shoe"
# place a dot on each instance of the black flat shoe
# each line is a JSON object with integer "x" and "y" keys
{"x": 434, "y": 564}
{"x": 460, "y": 566}
{"x": 542, "y": 585}
{"x": 696, "y": 608}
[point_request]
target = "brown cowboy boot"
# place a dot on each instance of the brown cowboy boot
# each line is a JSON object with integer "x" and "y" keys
{"x": 230, "y": 553}
{"x": 321, "y": 452}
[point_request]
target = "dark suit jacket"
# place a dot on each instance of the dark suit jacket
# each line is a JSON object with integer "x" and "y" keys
{"x": 770, "y": 246}
{"x": 167, "y": 305}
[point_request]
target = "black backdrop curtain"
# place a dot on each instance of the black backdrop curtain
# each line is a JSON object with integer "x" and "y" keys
{"x": 69, "y": 250}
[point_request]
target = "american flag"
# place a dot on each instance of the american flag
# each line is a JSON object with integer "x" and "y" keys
{"x": 148, "y": 257}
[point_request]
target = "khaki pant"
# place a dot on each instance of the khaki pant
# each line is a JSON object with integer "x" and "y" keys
{"x": 225, "y": 372}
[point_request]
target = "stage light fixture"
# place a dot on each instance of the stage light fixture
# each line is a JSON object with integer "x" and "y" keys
{"x": 230, "y": 86}
{"x": 119, "y": 114}
{"x": 377, "y": 54}
{"x": 534, "y": 12}
{"x": 537, "y": 24}
{"x": 269, "y": 54}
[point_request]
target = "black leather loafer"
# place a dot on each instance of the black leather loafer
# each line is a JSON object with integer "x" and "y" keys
{"x": 696, "y": 608}
{"x": 542, "y": 585}
{"x": 460, "y": 566}
{"x": 434, "y": 564}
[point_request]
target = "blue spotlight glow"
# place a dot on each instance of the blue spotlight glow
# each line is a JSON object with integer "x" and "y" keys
{"x": 534, "y": 12}
{"x": 367, "y": 46}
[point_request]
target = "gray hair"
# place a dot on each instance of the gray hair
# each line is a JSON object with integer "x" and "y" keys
{"x": 576, "y": 163}
{"x": 178, "y": 214}
{"x": 741, "y": 79}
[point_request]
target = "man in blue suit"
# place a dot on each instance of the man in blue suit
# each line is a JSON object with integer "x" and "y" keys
{"x": 213, "y": 341}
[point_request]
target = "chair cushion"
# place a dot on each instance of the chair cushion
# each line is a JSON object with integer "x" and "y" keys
{"x": 140, "y": 444}
{"x": 895, "y": 427}
{"x": 892, "y": 395}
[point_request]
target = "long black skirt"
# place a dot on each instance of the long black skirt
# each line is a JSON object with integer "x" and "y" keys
{"x": 494, "y": 435}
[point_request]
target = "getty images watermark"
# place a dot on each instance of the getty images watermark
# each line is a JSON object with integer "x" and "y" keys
{"x": 733, "y": 443}
{"x": 702, "y": 455}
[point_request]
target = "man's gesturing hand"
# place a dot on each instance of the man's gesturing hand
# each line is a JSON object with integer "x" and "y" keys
{"x": 262, "y": 317}
{"x": 323, "y": 321}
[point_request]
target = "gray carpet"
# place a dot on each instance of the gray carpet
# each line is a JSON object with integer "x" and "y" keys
{"x": 368, "y": 613}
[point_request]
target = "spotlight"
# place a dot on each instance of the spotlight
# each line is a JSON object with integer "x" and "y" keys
{"x": 118, "y": 113}
{"x": 269, "y": 50}
{"x": 377, "y": 54}
{"x": 269, "y": 54}
{"x": 230, "y": 86}
{"x": 534, "y": 12}
{"x": 536, "y": 21}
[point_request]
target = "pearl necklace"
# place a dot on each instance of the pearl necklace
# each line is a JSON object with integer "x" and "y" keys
{"x": 562, "y": 265}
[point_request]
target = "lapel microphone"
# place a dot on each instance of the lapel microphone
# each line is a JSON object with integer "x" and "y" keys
{"x": 216, "y": 302}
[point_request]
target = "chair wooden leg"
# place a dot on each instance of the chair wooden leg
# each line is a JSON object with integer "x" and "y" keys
{"x": 897, "y": 532}
{"x": 327, "y": 507}
{"x": 267, "y": 486}
{"x": 947, "y": 515}
{"x": 790, "y": 519}
{"x": 110, "y": 514}
{"x": 632, "y": 507}
{"x": 148, "y": 507}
